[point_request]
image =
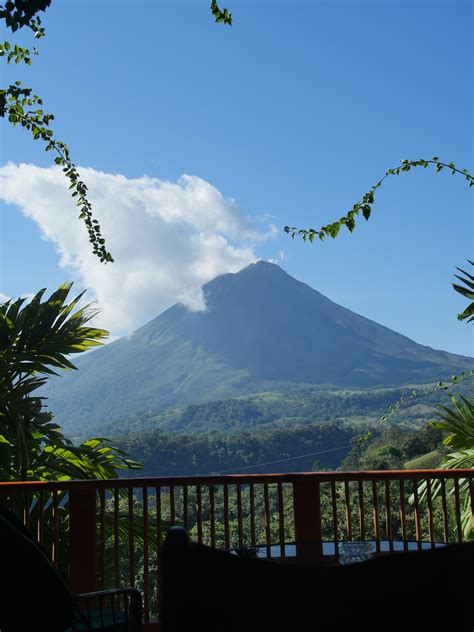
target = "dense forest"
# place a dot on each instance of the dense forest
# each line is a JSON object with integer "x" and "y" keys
{"x": 397, "y": 449}
{"x": 272, "y": 432}
{"x": 301, "y": 448}
{"x": 176, "y": 454}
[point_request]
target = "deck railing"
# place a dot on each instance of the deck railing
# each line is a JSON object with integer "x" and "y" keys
{"x": 103, "y": 534}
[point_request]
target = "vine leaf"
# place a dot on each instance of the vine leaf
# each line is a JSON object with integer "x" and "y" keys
{"x": 221, "y": 15}
{"x": 365, "y": 205}
{"x": 416, "y": 394}
{"x": 19, "y": 106}
{"x": 16, "y": 53}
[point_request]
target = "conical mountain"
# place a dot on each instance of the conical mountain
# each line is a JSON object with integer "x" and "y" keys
{"x": 261, "y": 328}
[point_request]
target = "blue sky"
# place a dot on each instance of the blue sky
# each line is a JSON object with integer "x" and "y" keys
{"x": 293, "y": 113}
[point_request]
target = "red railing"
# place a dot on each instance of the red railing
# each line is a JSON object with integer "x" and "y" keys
{"x": 103, "y": 534}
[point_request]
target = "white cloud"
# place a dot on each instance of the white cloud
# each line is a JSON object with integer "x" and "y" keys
{"x": 279, "y": 259}
{"x": 3, "y": 298}
{"x": 167, "y": 238}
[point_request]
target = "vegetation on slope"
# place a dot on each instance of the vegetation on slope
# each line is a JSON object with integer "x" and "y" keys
{"x": 397, "y": 449}
{"x": 272, "y": 410}
{"x": 166, "y": 454}
{"x": 292, "y": 449}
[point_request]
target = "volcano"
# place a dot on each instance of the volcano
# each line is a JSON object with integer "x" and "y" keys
{"x": 262, "y": 329}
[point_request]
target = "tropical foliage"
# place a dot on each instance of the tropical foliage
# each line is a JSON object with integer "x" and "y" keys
{"x": 35, "y": 339}
{"x": 467, "y": 290}
{"x": 458, "y": 422}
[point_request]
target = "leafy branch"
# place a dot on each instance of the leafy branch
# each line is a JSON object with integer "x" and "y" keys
{"x": 365, "y": 206}
{"x": 15, "y": 101}
{"x": 414, "y": 395}
{"x": 221, "y": 15}
{"x": 17, "y": 53}
{"x": 14, "y": 104}
{"x": 20, "y": 13}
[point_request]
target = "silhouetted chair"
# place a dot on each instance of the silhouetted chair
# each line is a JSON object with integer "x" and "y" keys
{"x": 216, "y": 591}
{"x": 33, "y": 596}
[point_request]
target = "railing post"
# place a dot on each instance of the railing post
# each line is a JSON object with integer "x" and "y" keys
{"x": 307, "y": 507}
{"x": 82, "y": 540}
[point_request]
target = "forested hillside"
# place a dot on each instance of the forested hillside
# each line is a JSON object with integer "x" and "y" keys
{"x": 301, "y": 448}
{"x": 284, "y": 409}
{"x": 265, "y": 432}
{"x": 397, "y": 449}
{"x": 164, "y": 454}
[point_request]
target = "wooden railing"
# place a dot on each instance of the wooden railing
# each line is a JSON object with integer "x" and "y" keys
{"x": 103, "y": 534}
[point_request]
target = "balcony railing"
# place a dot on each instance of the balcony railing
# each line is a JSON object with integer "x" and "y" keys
{"x": 103, "y": 534}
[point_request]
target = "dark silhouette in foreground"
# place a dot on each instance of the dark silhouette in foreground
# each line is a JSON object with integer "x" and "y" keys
{"x": 34, "y": 597}
{"x": 204, "y": 588}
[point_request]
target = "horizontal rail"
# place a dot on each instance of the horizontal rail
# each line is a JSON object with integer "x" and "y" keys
{"x": 242, "y": 479}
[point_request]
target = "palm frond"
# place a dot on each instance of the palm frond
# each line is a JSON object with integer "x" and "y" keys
{"x": 466, "y": 290}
